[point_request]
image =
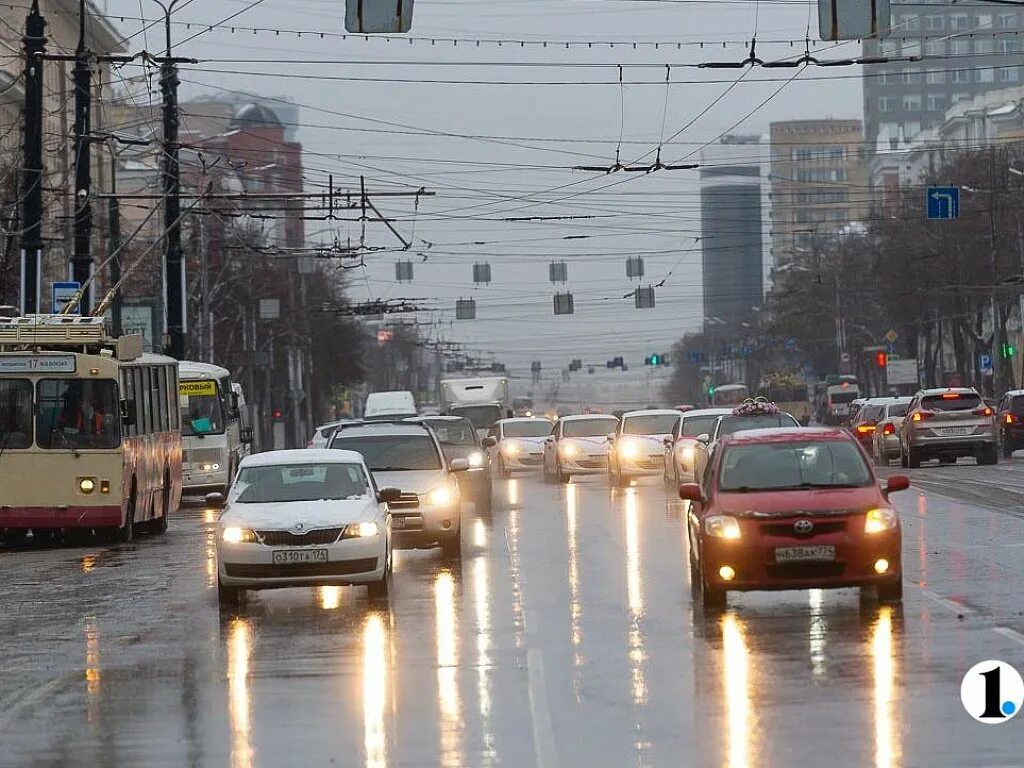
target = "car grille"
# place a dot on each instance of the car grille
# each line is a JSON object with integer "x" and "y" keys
{"x": 408, "y": 501}
{"x": 305, "y": 539}
{"x": 786, "y": 529}
{"x": 592, "y": 463}
{"x": 339, "y": 568}
{"x": 651, "y": 462}
{"x": 531, "y": 461}
{"x": 797, "y": 571}
{"x": 201, "y": 456}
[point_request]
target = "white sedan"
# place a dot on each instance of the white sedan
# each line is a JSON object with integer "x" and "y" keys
{"x": 304, "y": 518}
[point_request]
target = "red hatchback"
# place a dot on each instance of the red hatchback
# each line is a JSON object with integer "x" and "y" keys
{"x": 792, "y": 509}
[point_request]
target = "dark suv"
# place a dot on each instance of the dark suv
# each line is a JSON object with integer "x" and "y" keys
{"x": 1010, "y": 422}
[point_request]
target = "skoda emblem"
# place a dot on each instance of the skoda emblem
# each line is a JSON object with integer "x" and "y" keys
{"x": 803, "y": 527}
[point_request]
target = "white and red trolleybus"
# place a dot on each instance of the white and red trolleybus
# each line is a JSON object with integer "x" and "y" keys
{"x": 90, "y": 432}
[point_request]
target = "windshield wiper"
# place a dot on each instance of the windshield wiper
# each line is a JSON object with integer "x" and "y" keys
{"x": 390, "y": 469}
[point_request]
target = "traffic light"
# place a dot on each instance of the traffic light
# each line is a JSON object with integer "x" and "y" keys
{"x": 1008, "y": 351}
{"x": 881, "y": 358}
{"x": 656, "y": 359}
{"x": 277, "y": 414}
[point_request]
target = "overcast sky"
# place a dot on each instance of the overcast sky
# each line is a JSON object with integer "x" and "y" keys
{"x": 529, "y": 137}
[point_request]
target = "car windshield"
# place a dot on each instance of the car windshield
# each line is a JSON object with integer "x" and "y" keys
{"x": 650, "y": 424}
{"x": 15, "y": 413}
{"x": 951, "y": 401}
{"x": 733, "y": 424}
{"x": 202, "y": 411}
{"x": 453, "y": 432}
{"x": 699, "y": 425}
{"x": 281, "y": 483}
{"x": 392, "y": 453}
{"x": 870, "y": 413}
{"x": 78, "y": 414}
{"x": 896, "y": 410}
{"x": 776, "y": 466}
{"x": 531, "y": 428}
{"x": 589, "y": 427}
{"x": 1017, "y": 405}
{"x": 480, "y": 416}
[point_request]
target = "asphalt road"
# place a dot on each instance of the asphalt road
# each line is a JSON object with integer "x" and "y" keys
{"x": 567, "y": 637}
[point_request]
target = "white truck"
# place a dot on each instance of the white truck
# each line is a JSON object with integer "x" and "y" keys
{"x": 483, "y": 400}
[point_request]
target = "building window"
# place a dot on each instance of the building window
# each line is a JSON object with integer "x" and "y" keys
{"x": 984, "y": 46}
{"x": 1009, "y": 74}
{"x": 1007, "y": 45}
{"x": 910, "y": 77}
{"x": 960, "y": 47}
{"x": 912, "y": 103}
{"x": 936, "y": 102}
{"x": 932, "y": 23}
{"x": 891, "y": 47}
{"x": 1006, "y": 20}
{"x": 959, "y": 21}
{"x": 958, "y": 97}
{"x": 936, "y": 78}
{"x": 887, "y": 104}
{"x": 960, "y": 76}
{"x": 886, "y": 78}
{"x": 983, "y": 75}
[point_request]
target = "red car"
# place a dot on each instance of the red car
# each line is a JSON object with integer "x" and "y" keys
{"x": 792, "y": 508}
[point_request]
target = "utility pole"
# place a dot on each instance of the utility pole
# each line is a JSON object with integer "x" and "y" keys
{"x": 32, "y": 163}
{"x": 81, "y": 263}
{"x": 997, "y": 326}
{"x": 114, "y": 223}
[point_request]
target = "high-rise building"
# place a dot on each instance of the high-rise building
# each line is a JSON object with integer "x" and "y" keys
{"x": 733, "y": 203}
{"x": 819, "y": 181}
{"x": 903, "y": 98}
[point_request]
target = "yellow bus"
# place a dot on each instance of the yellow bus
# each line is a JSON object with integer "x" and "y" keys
{"x": 90, "y": 432}
{"x": 790, "y": 394}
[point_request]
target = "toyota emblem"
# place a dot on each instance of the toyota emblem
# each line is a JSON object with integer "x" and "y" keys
{"x": 803, "y": 527}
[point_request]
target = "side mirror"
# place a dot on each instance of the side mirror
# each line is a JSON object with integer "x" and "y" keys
{"x": 488, "y": 442}
{"x": 611, "y": 437}
{"x": 704, "y": 438}
{"x": 669, "y": 442}
{"x": 214, "y": 499}
{"x": 896, "y": 483}
{"x": 389, "y": 495}
{"x": 247, "y": 434}
{"x": 459, "y": 465}
{"x": 509, "y": 414}
{"x": 691, "y": 492}
{"x": 129, "y": 413}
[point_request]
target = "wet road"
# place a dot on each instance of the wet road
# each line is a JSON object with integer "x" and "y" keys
{"x": 567, "y": 637}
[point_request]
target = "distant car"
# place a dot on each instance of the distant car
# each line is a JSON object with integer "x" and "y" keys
{"x": 1010, "y": 422}
{"x": 946, "y": 424}
{"x": 385, "y": 406}
{"x": 304, "y": 518}
{"x": 322, "y": 434}
{"x": 730, "y": 424}
{"x": 408, "y": 456}
{"x": 681, "y": 445}
{"x": 792, "y": 509}
{"x": 577, "y": 446}
{"x": 637, "y": 446}
{"x": 885, "y": 443}
{"x": 459, "y": 440}
{"x": 864, "y": 423}
{"x": 518, "y": 444}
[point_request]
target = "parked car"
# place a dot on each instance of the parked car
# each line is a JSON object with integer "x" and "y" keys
{"x": 681, "y": 446}
{"x": 304, "y": 518}
{"x": 885, "y": 442}
{"x": 946, "y": 424}
{"x": 792, "y": 509}
{"x": 408, "y": 456}
{"x": 459, "y": 440}
{"x": 578, "y": 445}
{"x": 637, "y": 446}
{"x": 518, "y": 444}
{"x": 1010, "y": 422}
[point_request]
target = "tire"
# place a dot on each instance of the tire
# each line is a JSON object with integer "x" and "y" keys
{"x": 560, "y": 476}
{"x": 712, "y": 598}
{"x": 126, "y": 533}
{"x": 14, "y": 536}
{"x": 451, "y": 548}
{"x": 989, "y": 455}
{"x": 913, "y": 458}
{"x": 228, "y": 596}
{"x": 381, "y": 590}
{"x": 159, "y": 525}
{"x": 1006, "y": 449}
{"x": 544, "y": 474}
{"x": 880, "y": 459}
{"x": 503, "y": 473}
{"x": 903, "y": 458}
{"x": 891, "y": 591}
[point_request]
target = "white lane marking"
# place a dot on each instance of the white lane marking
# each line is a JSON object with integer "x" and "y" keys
{"x": 951, "y": 605}
{"x": 1013, "y": 634}
{"x": 540, "y": 716}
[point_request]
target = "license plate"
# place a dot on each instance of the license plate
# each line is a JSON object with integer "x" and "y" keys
{"x": 397, "y": 522}
{"x": 293, "y": 556}
{"x": 954, "y": 431}
{"x": 822, "y": 553}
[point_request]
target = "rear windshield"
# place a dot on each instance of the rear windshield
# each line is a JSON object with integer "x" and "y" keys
{"x": 277, "y": 484}
{"x": 453, "y": 432}
{"x": 650, "y": 424}
{"x": 785, "y": 466}
{"x": 1017, "y": 406}
{"x": 951, "y": 401}
{"x": 699, "y": 425}
{"x": 870, "y": 413}
{"x": 481, "y": 416}
{"x": 532, "y": 428}
{"x": 732, "y": 424}
{"x": 392, "y": 453}
{"x": 589, "y": 427}
{"x": 844, "y": 397}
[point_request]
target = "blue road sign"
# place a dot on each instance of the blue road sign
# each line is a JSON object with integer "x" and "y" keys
{"x": 943, "y": 202}
{"x": 63, "y": 293}
{"x": 985, "y": 363}
{"x": 790, "y": 344}
{"x": 890, "y": 348}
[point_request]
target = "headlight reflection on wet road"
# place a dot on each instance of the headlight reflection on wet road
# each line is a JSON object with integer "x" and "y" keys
{"x": 883, "y": 655}
{"x": 484, "y": 641}
{"x": 817, "y": 631}
{"x": 575, "y": 607}
{"x": 736, "y": 671}
{"x": 635, "y": 597}
{"x": 330, "y": 597}
{"x": 210, "y": 546}
{"x": 239, "y": 703}
{"x": 447, "y": 669}
{"x": 93, "y": 675}
{"x": 375, "y": 685}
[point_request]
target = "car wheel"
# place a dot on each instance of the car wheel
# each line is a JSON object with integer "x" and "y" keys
{"x": 712, "y": 598}
{"x": 560, "y": 476}
{"x": 989, "y": 455}
{"x": 14, "y": 536}
{"x": 544, "y": 474}
{"x": 228, "y": 596}
{"x": 880, "y": 458}
{"x": 126, "y": 532}
{"x": 913, "y": 458}
{"x": 903, "y": 458}
{"x": 451, "y": 548}
{"x": 380, "y": 590}
{"x": 503, "y": 472}
{"x": 1007, "y": 449}
{"x": 891, "y": 591}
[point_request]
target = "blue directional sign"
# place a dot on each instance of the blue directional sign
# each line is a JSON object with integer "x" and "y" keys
{"x": 943, "y": 202}
{"x": 63, "y": 293}
{"x": 985, "y": 363}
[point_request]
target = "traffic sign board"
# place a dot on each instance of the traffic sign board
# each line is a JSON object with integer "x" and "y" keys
{"x": 985, "y": 363}
{"x": 63, "y": 293}
{"x": 891, "y": 336}
{"x": 943, "y": 202}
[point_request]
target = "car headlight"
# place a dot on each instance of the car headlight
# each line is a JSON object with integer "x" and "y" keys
{"x": 86, "y": 484}
{"x": 629, "y": 449}
{"x": 688, "y": 453}
{"x": 568, "y": 449}
{"x": 476, "y": 459}
{"x": 880, "y": 519}
{"x": 442, "y": 496}
{"x": 722, "y": 527}
{"x": 234, "y": 535}
{"x": 209, "y": 467}
{"x": 360, "y": 530}
{"x": 510, "y": 447}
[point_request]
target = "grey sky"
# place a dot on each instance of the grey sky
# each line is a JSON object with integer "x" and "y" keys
{"x": 487, "y": 180}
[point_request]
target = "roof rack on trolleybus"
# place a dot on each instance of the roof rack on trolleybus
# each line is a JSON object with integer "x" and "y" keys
{"x": 44, "y": 332}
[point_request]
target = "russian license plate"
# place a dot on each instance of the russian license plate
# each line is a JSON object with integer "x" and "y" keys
{"x": 825, "y": 553}
{"x": 294, "y": 556}
{"x": 397, "y": 522}
{"x": 954, "y": 431}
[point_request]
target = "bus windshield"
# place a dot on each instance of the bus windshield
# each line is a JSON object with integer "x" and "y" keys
{"x": 730, "y": 394}
{"x": 202, "y": 412}
{"x": 74, "y": 413}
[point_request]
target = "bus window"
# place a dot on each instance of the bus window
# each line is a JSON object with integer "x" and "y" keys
{"x": 78, "y": 414}
{"x": 159, "y": 387}
{"x": 149, "y": 417}
{"x": 15, "y": 413}
{"x": 202, "y": 408}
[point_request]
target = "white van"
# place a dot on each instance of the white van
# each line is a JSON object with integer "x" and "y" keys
{"x": 382, "y": 406}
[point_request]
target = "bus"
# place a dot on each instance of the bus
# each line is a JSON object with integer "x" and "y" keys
{"x": 729, "y": 394}
{"x": 790, "y": 394}
{"x": 213, "y": 440}
{"x": 90, "y": 433}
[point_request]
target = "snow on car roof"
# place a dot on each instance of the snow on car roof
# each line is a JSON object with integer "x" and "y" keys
{"x": 654, "y": 412}
{"x": 302, "y": 456}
